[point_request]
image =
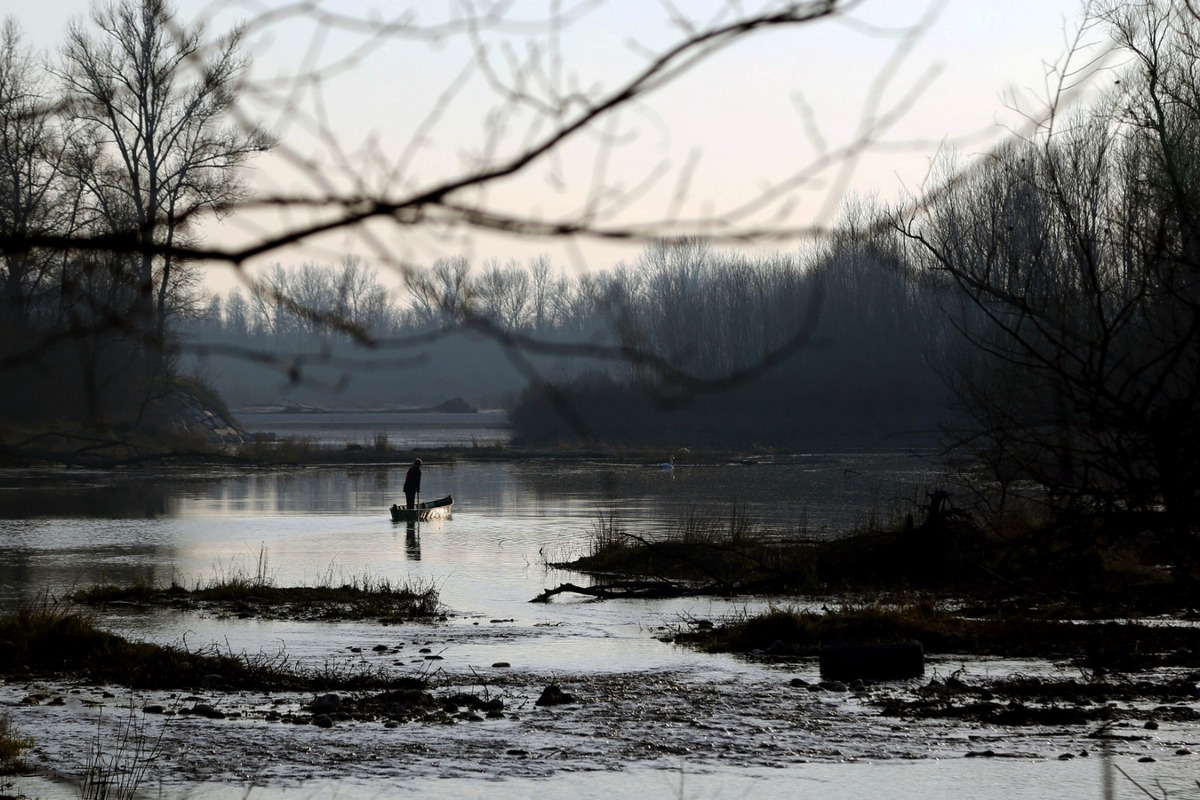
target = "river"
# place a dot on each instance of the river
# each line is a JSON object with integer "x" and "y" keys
{"x": 654, "y": 718}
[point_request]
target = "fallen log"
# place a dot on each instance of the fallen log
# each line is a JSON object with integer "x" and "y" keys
{"x": 654, "y": 590}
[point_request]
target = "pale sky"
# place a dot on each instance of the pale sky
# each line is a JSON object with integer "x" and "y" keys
{"x": 756, "y": 112}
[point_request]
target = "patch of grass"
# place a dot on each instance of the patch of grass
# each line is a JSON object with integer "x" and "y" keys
{"x": 802, "y": 632}
{"x": 732, "y": 552}
{"x": 1055, "y": 573}
{"x": 254, "y": 594}
{"x": 12, "y": 746}
{"x": 1113, "y": 645}
{"x": 138, "y": 591}
{"x": 607, "y": 533}
{"x": 701, "y": 527}
{"x": 362, "y": 598}
{"x": 52, "y": 640}
{"x": 1019, "y": 700}
{"x": 117, "y": 768}
{"x": 359, "y": 600}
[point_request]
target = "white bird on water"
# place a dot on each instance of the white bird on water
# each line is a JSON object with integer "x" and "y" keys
{"x": 669, "y": 464}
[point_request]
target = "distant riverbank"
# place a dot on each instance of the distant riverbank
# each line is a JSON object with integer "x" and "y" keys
{"x": 379, "y": 429}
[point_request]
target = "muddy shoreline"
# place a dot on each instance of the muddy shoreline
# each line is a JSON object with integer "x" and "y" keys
{"x": 616, "y": 722}
{"x": 777, "y": 712}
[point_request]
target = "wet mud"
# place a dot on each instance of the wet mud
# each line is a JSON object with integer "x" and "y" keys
{"x": 785, "y": 715}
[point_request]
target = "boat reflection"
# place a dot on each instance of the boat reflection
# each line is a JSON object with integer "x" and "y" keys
{"x": 412, "y": 541}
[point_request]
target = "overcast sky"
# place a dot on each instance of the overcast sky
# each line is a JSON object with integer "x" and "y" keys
{"x": 753, "y": 114}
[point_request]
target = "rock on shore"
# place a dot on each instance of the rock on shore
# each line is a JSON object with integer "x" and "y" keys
{"x": 187, "y": 412}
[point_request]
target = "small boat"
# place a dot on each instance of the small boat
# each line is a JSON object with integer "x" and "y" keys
{"x": 430, "y": 509}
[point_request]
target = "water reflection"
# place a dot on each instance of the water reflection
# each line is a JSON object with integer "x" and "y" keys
{"x": 412, "y": 540}
{"x": 825, "y": 492}
{"x": 31, "y": 569}
{"x": 75, "y": 494}
{"x": 58, "y": 529}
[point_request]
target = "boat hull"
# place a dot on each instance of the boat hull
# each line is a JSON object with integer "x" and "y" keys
{"x": 430, "y": 509}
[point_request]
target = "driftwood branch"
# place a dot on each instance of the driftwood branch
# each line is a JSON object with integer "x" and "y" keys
{"x": 610, "y": 591}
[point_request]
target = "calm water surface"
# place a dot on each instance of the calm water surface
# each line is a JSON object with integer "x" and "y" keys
{"x": 63, "y": 529}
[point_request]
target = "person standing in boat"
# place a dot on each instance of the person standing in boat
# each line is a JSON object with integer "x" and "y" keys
{"x": 412, "y": 484}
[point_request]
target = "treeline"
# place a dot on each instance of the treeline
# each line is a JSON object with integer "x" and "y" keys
{"x": 1077, "y": 258}
{"x": 686, "y": 344}
{"x": 346, "y": 335}
{"x": 837, "y": 345}
{"x": 107, "y": 148}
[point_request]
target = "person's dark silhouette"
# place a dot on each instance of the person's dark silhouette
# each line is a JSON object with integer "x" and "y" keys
{"x": 412, "y": 484}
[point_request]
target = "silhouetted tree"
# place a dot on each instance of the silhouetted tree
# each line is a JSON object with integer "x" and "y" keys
{"x": 1078, "y": 253}
{"x": 33, "y": 199}
{"x": 156, "y": 98}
